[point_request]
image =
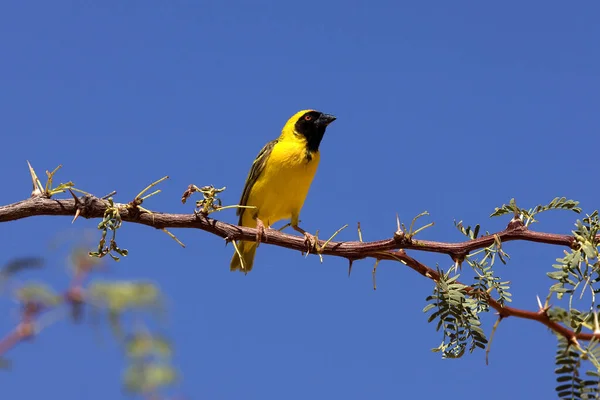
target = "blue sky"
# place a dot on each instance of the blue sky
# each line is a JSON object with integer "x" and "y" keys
{"x": 450, "y": 107}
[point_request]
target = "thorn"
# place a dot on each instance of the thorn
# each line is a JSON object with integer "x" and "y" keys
{"x": 547, "y": 302}
{"x": 515, "y": 223}
{"x": 573, "y": 341}
{"x": 74, "y": 197}
{"x": 77, "y": 204}
{"x": 76, "y": 215}
{"x": 360, "y": 238}
{"x": 596, "y": 325}
{"x": 349, "y": 267}
{"x": 539, "y": 302}
{"x": 399, "y": 229}
{"x": 36, "y": 191}
{"x": 457, "y": 264}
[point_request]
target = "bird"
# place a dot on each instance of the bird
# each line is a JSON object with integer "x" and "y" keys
{"x": 279, "y": 180}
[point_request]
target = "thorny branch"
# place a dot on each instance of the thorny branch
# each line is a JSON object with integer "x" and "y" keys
{"x": 394, "y": 248}
{"x": 93, "y": 207}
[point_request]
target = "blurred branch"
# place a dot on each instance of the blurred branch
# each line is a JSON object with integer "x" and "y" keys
{"x": 148, "y": 355}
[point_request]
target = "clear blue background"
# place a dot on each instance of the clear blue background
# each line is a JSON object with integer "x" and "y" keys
{"x": 450, "y": 107}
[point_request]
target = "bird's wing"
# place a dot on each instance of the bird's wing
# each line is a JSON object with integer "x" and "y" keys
{"x": 258, "y": 167}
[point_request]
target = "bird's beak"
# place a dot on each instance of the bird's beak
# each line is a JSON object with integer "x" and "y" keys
{"x": 325, "y": 119}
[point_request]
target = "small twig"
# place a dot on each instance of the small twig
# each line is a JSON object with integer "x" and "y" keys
{"x": 415, "y": 220}
{"x": 151, "y": 186}
{"x": 412, "y": 233}
{"x": 9, "y": 341}
{"x": 81, "y": 191}
{"x": 374, "y": 273}
{"x": 489, "y": 345}
{"x": 320, "y": 248}
{"x": 151, "y": 194}
{"x": 285, "y": 226}
{"x": 111, "y": 194}
{"x": 237, "y": 250}
{"x": 232, "y": 206}
{"x": 423, "y": 228}
{"x": 50, "y": 176}
{"x": 173, "y": 237}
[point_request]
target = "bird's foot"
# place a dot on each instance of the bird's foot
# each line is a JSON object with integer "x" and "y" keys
{"x": 260, "y": 232}
{"x": 311, "y": 241}
{"x": 312, "y": 244}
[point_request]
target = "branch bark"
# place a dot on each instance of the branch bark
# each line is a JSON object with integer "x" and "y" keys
{"x": 93, "y": 207}
{"x": 387, "y": 249}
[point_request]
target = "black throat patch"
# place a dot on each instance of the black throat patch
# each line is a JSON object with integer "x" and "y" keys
{"x": 312, "y": 132}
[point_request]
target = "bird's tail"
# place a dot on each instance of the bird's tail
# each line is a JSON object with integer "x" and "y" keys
{"x": 247, "y": 250}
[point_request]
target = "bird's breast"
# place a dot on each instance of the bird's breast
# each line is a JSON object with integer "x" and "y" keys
{"x": 281, "y": 189}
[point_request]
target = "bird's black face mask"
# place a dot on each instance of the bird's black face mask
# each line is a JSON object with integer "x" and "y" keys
{"x": 312, "y": 126}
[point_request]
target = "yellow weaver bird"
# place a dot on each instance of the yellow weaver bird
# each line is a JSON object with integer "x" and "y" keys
{"x": 279, "y": 180}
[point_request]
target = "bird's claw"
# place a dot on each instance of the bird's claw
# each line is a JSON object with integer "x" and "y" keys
{"x": 311, "y": 243}
{"x": 260, "y": 232}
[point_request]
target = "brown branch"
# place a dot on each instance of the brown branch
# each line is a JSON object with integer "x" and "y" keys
{"x": 540, "y": 316}
{"x": 32, "y": 310}
{"x": 10, "y": 340}
{"x": 388, "y": 249}
{"x": 93, "y": 207}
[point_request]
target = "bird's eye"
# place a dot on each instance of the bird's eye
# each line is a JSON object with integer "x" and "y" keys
{"x": 308, "y": 117}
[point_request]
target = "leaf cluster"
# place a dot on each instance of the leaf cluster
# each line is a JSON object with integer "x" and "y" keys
{"x": 148, "y": 355}
{"x": 486, "y": 280}
{"x": 149, "y": 366}
{"x": 579, "y": 269}
{"x": 528, "y": 215}
{"x": 457, "y": 316}
{"x": 110, "y": 223}
{"x": 570, "y": 360}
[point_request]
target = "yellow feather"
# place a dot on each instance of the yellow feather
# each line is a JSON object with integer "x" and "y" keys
{"x": 281, "y": 188}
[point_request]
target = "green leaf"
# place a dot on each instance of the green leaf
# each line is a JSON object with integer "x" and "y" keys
{"x": 556, "y": 275}
{"x": 38, "y": 293}
{"x": 589, "y": 249}
{"x": 142, "y": 345}
{"x": 122, "y": 295}
{"x": 428, "y": 307}
{"x": 147, "y": 378}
